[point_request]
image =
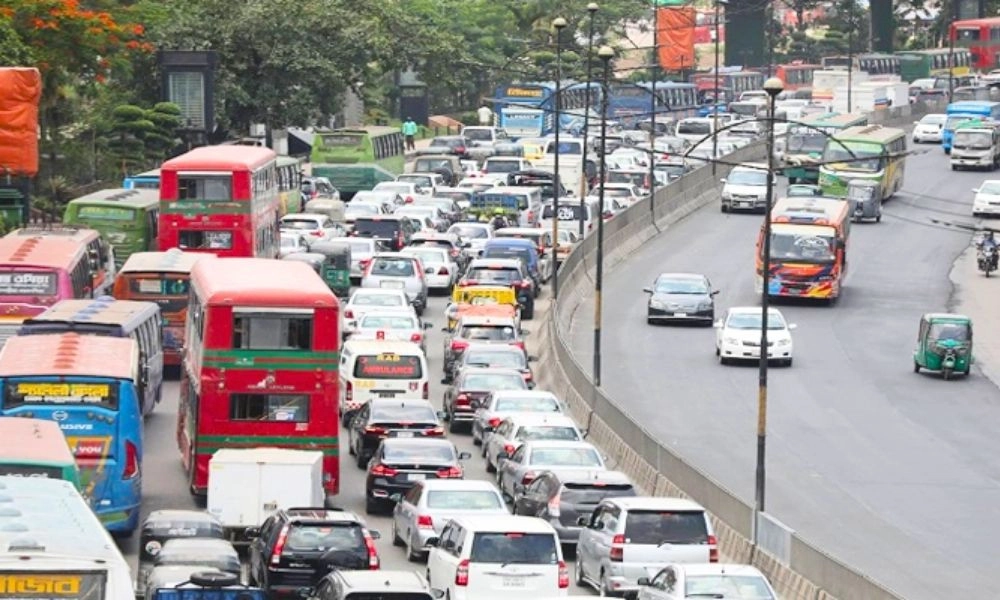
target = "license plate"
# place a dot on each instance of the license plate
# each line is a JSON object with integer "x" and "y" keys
{"x": 416, "y": 476}
{"x": 512, "y": 582}
{"x": 389, "y": 395}
{"x": 681, "y": 315}
{"x": 404, "y": 434}
{"x": 394, "y": 285}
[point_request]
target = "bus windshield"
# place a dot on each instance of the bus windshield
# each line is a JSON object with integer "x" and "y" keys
{"x": 806, "y": 142}
{"x": 855, "y": 157}
{"x": 28, "y": 283}
{"x": 799, "y": 247}
{"x": 170, "y": 293}
{"x": 105, "y": 213}
{"x": 54, "y": 393}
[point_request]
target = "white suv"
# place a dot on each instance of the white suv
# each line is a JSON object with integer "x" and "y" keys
{"x": 745, "y": 188}
{"x": 496, "y": 558}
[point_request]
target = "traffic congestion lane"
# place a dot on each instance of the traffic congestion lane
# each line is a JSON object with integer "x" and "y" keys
{"x": 892, "y": 472}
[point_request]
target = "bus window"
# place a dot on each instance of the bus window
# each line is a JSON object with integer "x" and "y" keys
{"x": 289, "y": 408}
{"x": 271, "y": 331}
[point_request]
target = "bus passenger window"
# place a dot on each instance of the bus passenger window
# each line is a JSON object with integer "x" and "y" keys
{"x": 272, "y": 332}
{"x": 190, "y": 187}
{"x": 289, "y": 408}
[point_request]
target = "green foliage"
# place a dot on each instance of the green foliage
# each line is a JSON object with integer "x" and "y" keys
{"x": 13, "y": 51}
{"x": 136, "y": 138}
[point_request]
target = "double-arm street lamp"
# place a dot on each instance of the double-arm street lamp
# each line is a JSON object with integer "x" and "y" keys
{"x": 605, "y": 53}
{"x": 558, "y": 24}
{"x": 592, "y": 9}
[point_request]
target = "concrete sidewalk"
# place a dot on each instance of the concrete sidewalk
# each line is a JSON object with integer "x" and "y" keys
{"x": 978, "y": 297}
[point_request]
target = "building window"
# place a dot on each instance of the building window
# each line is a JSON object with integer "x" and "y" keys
{"x": 187, "y": 90}
{"x": 286, "y": 408}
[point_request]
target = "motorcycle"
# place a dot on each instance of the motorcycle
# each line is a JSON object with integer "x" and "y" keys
{"x": 988, "y": 259}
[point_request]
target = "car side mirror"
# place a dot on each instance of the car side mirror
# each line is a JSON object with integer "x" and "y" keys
{"x": 532, "y": 358}
{"x": 648, "y": 290}
{"x": 792, "y": 326}
{"x": 429, "y": 270}
{"x": 714, "y": 293}
{"x": 374, "y": 533}
{"x": 502, "y": 456}
{"x": 975, "y": 190}
{"x": 531, "y": 385}
{"x": 442, "y": 414}
{"x": 252, "y": 532}
{"x": 524, "y": 333}
{"x": 464, "y": 455}
{"x": 396, "y": 497}
{"x": 643, "y": 581}
{"x": 432, "y": 541}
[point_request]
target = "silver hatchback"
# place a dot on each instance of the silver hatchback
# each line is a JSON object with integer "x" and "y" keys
{"x": 390, "y": 270}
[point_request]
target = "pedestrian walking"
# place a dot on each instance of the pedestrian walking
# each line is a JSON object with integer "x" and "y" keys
{"x": 485, "y": 116}
{"x": 410, "y": 132}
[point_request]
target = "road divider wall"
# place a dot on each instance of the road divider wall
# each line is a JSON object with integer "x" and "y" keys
{"x": 798, "y": 570}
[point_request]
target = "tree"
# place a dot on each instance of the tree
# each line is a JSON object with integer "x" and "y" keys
{"x": 137, "y": 138}
{"x": 13, "y": 51}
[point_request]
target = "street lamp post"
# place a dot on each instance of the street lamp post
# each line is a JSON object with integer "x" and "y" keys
{"x": 850, "y": 57}
{"x": 773, "y": 87}
{"x": 559, "y": 24}
{"x": 605, "y": 53}
{"x": 715, "y": 99}
{"x": 654, "y": 67}
{"x": 592, "y": 10}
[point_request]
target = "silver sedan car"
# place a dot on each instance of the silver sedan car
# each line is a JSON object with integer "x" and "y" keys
{"x": 519, "y": 428}
{"x": 400, "y": 325}
{"x": 425, "y": 509}
{"x": 496, "y": 407}
{"x": 516, "y": 472}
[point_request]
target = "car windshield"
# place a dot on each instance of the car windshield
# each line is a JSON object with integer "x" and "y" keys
{"x": 464, "y": 500}
{"x": 363, "y": 299}
{"x": 748, "y": 320}
{"x": 494, "y": 382}
{"x": 505, "y": 360}
{"x": 566, "y": 457}
{"x": 299, "y": 224}
{"x": 681, "y": 286}
{"x": 357, "y": 209}
{"x": 503, "y": 276}
{"x": 503, "y": 166}
{"x": 422, "y": 180}
{"x": 694, "y": 127}
{"x": 514, "y": 548}
{"x": 428, "y": 256}
{"x": 489, "y": 333}
{"x": 392, "y": 267}
{"x": 321, "y": 538}
{"x": 547, "y": 432}
{"x": 949, "y": 331}
{"x": 419, "y": 453}
{"x": 664, "y": 526}
{"x": 803, "y": 247}
{"x": 735, "y": 587}
{"x": 990, "y": 187}
{"x": 747, "y": 177}
{"x": 933, "y": 120}
{"x": 527, "y": 405}
{"x": 403, "y": 413}
{"x": 470, "y": 232}
{"x": 973, "y": 140}
{"x": 377, "y": 321}
{"x": 381, "y": 229}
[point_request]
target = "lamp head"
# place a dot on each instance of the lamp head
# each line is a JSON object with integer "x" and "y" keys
{"x": 774, "y": 86}
{"x": 592, "y": 8}
{"x": 605, "y": 53}
{"x": 559, "y": 23}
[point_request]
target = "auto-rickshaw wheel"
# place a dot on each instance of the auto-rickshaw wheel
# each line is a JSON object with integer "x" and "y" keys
{"x": 916, "y": 367}
{"x": 946, "y": 373}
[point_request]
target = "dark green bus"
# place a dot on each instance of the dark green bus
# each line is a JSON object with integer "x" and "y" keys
{"x": 356, "y": 159}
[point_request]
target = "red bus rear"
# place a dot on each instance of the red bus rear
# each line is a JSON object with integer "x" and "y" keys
{"x": 982, "y": 38}
{"x": 796, "y": 75}
{"x": 260, "y": 364}
{"x": 221, "y": 199}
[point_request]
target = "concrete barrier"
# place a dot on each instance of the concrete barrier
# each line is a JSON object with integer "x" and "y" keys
{"x": 798, "y": 570}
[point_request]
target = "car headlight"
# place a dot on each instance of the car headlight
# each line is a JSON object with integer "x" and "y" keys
{"x": 731, "y": 340}
{"x": 657, "y": 305}
{"x": 784, "y": 342}
{"x": 704, "y": 306}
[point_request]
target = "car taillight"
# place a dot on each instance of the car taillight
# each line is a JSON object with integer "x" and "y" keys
{"x": 524, "y": 284}
{"x": 713, "y": 549}
{"x": 554, "y": 506}
{"x": 349, "y": 314}
{"x": 450, "y": 473}
{"x": 409, "y": 200}
{"x": 461, "y": 150}
{"x": 495, "y": 422}
{"x": 463, "y": 400}
{"x": 528, "y": 478}
{"x": 454, "y": 253}
{"x": 131, "y": 461}
{"x": 519, "y": 344}
{"x": 509, "y": 449}
{"x": 425, "y": 522}
{"x": 279, "y": 546}
{"x": 563, "y": 575}
{"x": 416, "y": 338}
{"x": 459, "y": 345}
{"x": 617, "y": 548}
{"x": 373, "y": 560}
{"x": 434, "y": 432}
{"x": 317, "y": 233}
{"x": 376, "y": 430}
{"x": 462, "y": 573}
{"x": 443, "y": 271}
{"x": 527, "y": 376}
{"x": 383, "y": 471}
{"x": 349, "y": 392}
{"x": 427, "y": 390}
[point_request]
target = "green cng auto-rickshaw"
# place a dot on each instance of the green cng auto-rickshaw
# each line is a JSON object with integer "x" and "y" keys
{"x": 336, "y": 270}
{"x": 944, "y": 344}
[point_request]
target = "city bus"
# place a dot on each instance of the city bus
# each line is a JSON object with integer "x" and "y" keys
{"x": 260, "y": 364}
{"x": 806, "y": 139}
{"x": 140, "y": 321}
{"x": 870, "y": 152}
{"x": 933, "y": 62}
{"x": 733, "y": 81}
{"x": 961, "y": 111}
{"x": 873, "y": 64}
{"x": 57, "y": 547}
{"x": 631, "y": 103}
{"x": 161, "y": 277}
{"x": 150, "y": 180}
{"x": 527, "y": 110}
{"x": 808, "y": 248}
{"x": 796, "y": 75}
{"x": 36, "y": 271}
{"x": 36, "y": 448}
{"x": 357, "y": 159}
{"x": 222, "y": 200}
{"x": 289, "y": 185}
{"x": 126, "y": 218}
{"x": 87, "y": 384}
{"x": 982, "y": 38}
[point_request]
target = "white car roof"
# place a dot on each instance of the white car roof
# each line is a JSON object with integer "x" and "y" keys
{"x": 504, "y": 524}
{"x": 655, "y": 503}
{"x": 304, "y": 217}
{"x": 381, "y": 346}
{"x": 696, "y": 569}
{"x": 752, "y": 310}
{"x": 524, "y": 394}
{"x": 459, "y": 484}
{"x": 530, "y": 419}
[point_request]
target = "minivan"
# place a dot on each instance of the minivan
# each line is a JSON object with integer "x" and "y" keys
{"x": 569, "y": 211}
{"x": 380, "y": 369}
{"x": 540, "y": 269}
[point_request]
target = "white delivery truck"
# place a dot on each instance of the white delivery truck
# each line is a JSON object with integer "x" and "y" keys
{"x": 976, "y": 146}
{"x": 571, "y": 171}
{"x": 247, "y": 485}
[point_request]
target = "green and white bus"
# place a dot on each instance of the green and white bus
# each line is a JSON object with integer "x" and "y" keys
{"x": 127, "y": 219}
{"x": 871, "y": 152}
{"x": 357, "y": 159}
{"x": 36, "y": 448}
{"x": 289, "y": 171}
{"x": 805, "y": 142}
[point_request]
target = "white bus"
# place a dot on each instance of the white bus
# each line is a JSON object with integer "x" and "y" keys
{"x": 53, "y": 546}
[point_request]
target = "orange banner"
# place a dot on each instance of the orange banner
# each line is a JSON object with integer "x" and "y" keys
{"x": 675, "y": 37}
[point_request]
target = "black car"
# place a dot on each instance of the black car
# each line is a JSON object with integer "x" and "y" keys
{"x": 504, "y": 271}
{"x": 296, "y": 547}
{"x": 563, "y": 499}
{"x": 493, "y": 355}
{"x": 399, "y": 463}
{"x": 681, "y": 297}
{"x": 473, "y": 384}
{"x": 392, "y": 230}
{"x": 447, "y": 144}
{"x": 379, "y": 419}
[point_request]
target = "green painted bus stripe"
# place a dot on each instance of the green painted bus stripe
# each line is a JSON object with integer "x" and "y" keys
{"x": 327, "y": 440}
{"x": 288, "y": 355}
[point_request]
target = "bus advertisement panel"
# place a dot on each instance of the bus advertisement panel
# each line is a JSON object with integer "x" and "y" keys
{"x": 806, "y": 139}
{"x": 871, "y": 152}
{"x": 808, "y": 248}
{"x": 260, "y": 365}
{"x": 86, "y": 384}
{"x": 128, "y": 219}
{"x": 222, "y": 200}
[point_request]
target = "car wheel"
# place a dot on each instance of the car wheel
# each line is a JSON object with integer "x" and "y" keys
{"x": 396, "y": 540}
{"x": 916, "y": 367}
{"x": 476, "y": 440}
{"x": 360, "y": 460}
{"x": 578, "y": 571}
{"x": 371, "y": 506}
{"x": 723, "y": 360}
{"x": 723, "y": 208}
{"x": 411, "y": 555}
{"x": 529, "y": 312}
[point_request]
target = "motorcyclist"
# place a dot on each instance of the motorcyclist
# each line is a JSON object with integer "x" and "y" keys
{"x": 499, "y": 220}
{"x": 988, "y": 247}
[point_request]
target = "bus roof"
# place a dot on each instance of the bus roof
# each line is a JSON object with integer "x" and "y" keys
{"x": 39, "y": 252}
{"x": 34, "y": 440}
{"x": 876, "y": 134}
{"x": 104, "y": 311}
{"x": 69, "y": 354}
{"x": 971, "y": 105}
{"x": 261, "y": 282}
{"x": 804, "y": 210}
{"x": 135, "y": 198}
{"x": 52, "y": 520}
{"x": 230, "y": 157}
{"x": 71, "y": 233}
{"x": 174, "y": 260}
{"x": 984, "y": 21}
{"x": 835, "y": 119}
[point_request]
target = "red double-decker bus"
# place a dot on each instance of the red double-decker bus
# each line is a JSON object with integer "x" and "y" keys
{"x": 982, "y": 38}
{"x": 260, "y": 364}
{"x": 221, "y": 199}
{"x": 796, "y": 75}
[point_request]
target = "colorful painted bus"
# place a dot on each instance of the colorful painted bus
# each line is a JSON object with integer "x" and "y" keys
{"x": 260, "y": 364}
{"x": 982, "y": 38}
{"x": 222, "y": 200}
{"x": 808, "y": 248}
{"x": 161, "y": 277}
{"x": 36, "y": 271}
{"x": 58, "y": 549}
{"x": 289, "y": 185}
{"x": 796, "y": 75}
{"x": 128, "y": 219}
{"x": 806, "y": 139}
{"x": 150, "y": 180}
{"x": 933, "y": 62}
{"x": 87, "y": 384}
{"x": 870, "y": 152}
{"x": 36, "y": 448}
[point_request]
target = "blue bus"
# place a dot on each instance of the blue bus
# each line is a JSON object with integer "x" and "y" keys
{"x": 134, "y": 319}
{"x": 527, "y": 109}
{"x": 631, "y": 103}
{"x": 150, "y": 180}
{"x": 87, "y": 384}
{"x": 960, "y": 111}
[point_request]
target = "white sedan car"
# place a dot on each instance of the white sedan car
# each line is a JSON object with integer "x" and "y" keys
{"x": 400, "y": 325}
{"x": 679, "y": 581}
{"x": 737, "y": 335}
{"x": 987, "y": 199}
{"x": 292, "y": 242}
{"x": 440, "y": 268}
{"x": 365, "y": 300}
{"x": 316, "y": 227}
{"x": 928, "y": 129}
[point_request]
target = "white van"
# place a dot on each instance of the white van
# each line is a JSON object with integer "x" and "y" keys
{"x": 493, "y": 557}
{"x": 381, "y": 369}
{"x": 695, "y": 129}
{"x": 568, "y": 213}
{"x": 529, "y": 202}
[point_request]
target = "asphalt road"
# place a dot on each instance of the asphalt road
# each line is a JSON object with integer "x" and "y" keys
{"x": 894, "y": 473}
